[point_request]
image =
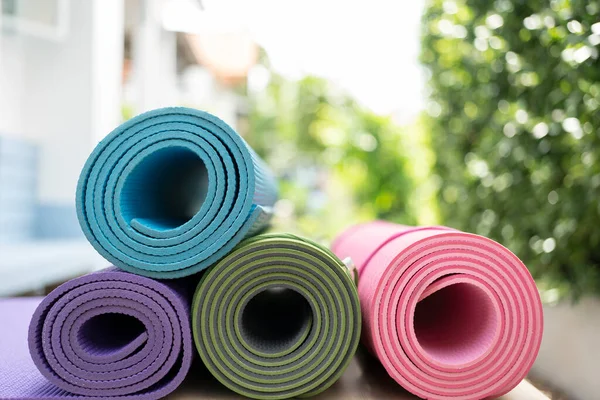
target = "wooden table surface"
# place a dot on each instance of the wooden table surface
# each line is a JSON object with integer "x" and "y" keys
{"x": 365, "y": 379}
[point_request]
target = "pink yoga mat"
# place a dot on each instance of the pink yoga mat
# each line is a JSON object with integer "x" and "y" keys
{"x": 450, "y": 315}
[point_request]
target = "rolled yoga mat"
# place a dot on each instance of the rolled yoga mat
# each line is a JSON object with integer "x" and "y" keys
{"x": 171, "y": 191}
{"x": 450, "y": 315}
{"x": 279, "y": 317}
{"x": 101, "y": 336}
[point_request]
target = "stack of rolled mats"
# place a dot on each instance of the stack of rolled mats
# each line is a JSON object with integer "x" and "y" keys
{"x": 177, "y": 201}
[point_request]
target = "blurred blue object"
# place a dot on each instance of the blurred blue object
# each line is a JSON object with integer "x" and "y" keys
{"x": 57, "y": 221}
{"x": 18, "y": 189}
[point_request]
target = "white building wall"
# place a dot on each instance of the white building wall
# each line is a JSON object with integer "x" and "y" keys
{"x": 64, "y": 95}
{"x": 154, "y": 58}
{"x": 570, "y": 350}
{"x": 11, "y": 83}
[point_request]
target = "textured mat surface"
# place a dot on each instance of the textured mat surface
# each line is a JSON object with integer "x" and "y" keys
{"x": 103, "y": 335}
{"x": 450, "y": 315}
{"x": 278, "y": 317}
{"x": 171, "y": 191}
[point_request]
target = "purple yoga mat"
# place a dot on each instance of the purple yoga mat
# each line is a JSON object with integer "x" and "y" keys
{"x": 103, "y": 335}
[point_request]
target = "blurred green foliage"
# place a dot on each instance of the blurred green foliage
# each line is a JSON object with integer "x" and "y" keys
{"x": 338, "y": 162}
{"x": 515, "y": 122}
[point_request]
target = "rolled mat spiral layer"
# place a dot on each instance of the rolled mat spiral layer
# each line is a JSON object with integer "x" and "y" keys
{"x": 100, "y": 336}
{"x": 279, "y": 317}
{"x": 171, "y": 191}
{"x": 450, "y": 315}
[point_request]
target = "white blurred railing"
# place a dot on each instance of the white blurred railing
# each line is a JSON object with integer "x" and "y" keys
{"x": 32, "y": 266}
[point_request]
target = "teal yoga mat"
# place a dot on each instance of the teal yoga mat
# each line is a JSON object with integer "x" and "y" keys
{"x": 171, "y": 191}
{"x": 279, "y": 317}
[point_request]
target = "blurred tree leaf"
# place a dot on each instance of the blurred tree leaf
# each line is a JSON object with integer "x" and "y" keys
{"x": 338, "y": 162}
{"x": 514, "y": 121}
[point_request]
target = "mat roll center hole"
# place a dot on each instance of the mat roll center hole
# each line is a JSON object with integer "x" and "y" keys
{"x": 165, "y": 190}
{"x": 456, "y": 324}
{"x": 109, "y": 332}
{"x": 275, "y": 319}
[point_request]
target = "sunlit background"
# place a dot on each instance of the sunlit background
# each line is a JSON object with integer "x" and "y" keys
{"x": 480, "y": 115}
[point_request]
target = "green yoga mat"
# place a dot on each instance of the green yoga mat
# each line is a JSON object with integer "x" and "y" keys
{"x": 278, "y": 317}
